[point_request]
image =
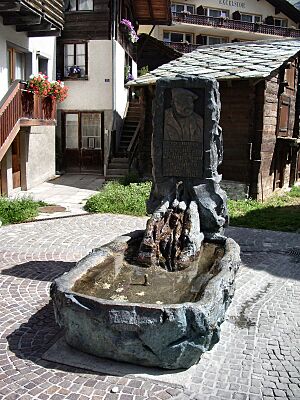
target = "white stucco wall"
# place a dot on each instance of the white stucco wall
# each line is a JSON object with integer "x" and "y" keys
{"x": 9, "y": 35}
{"x": 96, "y": 92}
{"x": 19, "y": 40}
{"x": 40, "y": 163}
{"x": 121, "y": 91}
{"x": 45, "y": 47}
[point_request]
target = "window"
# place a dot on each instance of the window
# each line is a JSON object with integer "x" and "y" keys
{"x": 75, "y": 60}
{"x": 91, "y": 131}
{"x": 183, "y": 8}
{"x": 216, "y": 40}
{"x": 79, "y": 5}
{"x": 250, "y": 18}
{"x": 283, "y": 23}
{"x": 217, "y": 13}
{"x": 16, "y": 61}
{"x": 178, "y": 37}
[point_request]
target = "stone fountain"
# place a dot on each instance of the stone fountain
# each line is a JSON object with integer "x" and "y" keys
{"x": 158, "y": 297}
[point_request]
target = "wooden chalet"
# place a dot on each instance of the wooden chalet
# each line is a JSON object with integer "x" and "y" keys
{"x": 97, "y": 121}
{"x": 260, "y": 104}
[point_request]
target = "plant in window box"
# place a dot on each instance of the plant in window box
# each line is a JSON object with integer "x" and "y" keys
{"x": 39, "y": 96}
{"x": 127, "y": 27}
{"x": 127, "y": 74}
{"x": 37, "y": 85}
{"x": 74, "y": 72}
{"x": 58, "y": 92}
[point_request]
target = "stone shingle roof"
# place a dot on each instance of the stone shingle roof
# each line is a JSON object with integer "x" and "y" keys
{"x": 242, "y": 60}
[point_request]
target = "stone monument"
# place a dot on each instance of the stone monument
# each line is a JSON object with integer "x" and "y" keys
{"x": 187, "y": 202}
{"x": 158, "y": 297}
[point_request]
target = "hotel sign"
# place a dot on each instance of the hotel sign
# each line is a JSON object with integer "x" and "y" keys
{"x": 232, "y": 3}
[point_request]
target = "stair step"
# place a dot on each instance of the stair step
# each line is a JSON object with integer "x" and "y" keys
{"x": 120, "y": 160}
{"x": 115, "y": 171}
{"x": 117, "y": 165}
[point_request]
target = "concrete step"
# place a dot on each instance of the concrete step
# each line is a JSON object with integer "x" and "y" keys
{"x": 117, "y": 172}
{"x": 117, "y": 166}
{"x": 123, "y": 160}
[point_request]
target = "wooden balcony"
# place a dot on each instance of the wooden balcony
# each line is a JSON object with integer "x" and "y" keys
{"x": 19, "y": 108}
{"x": 37, "y": 17}
{"x": 203, "y": 20}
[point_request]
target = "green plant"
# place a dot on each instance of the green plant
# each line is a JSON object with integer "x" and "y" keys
{"x": 18, "y": 210}
{"x": 143, "y": 71}
{"x": 278, "y": 213}
{"x": 116, "y": 198}
{"x": 131, "y": 177}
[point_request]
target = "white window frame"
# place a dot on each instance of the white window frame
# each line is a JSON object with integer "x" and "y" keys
{"x": 223, "y": 13}
{"x": 185, "y": 6}
{"x": 253, "y": 16}
{"x": 281, "y": 20}
{"x": 222, "y": 39}
{"x": 178, "y": 33}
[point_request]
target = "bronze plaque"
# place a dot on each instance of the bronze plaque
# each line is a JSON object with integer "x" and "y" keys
{"x": 183, "y": 159}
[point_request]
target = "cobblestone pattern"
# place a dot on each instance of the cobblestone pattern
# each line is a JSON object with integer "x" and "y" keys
{"x": 258, "y": 356}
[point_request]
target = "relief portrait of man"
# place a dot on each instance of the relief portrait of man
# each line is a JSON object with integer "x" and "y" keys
{"x": 182, "y": 123}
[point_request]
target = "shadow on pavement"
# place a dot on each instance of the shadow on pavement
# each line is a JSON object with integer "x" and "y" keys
{"x": 39, "y": 270}
{"x": 35, "y": 336}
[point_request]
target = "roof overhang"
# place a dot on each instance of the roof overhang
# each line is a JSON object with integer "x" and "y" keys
{"x": 152, "y": 12}
{"x": 286, "y": 8}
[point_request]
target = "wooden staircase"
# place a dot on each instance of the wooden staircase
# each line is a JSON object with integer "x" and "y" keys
{"x": 119, "y": 165}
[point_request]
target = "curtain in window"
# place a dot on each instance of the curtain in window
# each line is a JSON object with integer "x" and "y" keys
{"x": 84, "y": 5}
{"x": 91, "y": 130}
{"x": 72, "y": 131}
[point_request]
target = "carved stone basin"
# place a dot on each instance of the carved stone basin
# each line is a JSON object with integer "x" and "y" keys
{"x": 112, "y": 308}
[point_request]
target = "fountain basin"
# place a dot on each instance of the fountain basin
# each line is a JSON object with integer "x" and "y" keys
{"x": 168, "y": 319}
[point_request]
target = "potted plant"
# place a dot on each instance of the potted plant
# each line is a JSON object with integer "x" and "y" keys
{"x": 58, "y": 92}
{"x": 74, "y": 72}
{"x": 37, "y": 88}
{"x": 127, "y": 27}
{"x": 127, "y": 74}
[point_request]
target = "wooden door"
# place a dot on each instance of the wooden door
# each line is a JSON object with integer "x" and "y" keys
{"x": 83, "y": 142}
{"x": 16, "y": 163}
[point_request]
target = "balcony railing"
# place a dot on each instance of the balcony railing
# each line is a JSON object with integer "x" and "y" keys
{"x": 182, "y": 47}
{"x": 196, "y": 19}
{"x": 20, "y": 108}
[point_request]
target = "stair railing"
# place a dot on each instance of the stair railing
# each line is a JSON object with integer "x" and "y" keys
{"x": 10, "y": 111}
{"x": 20, "y": 108}
{"x": 133, "y": 145}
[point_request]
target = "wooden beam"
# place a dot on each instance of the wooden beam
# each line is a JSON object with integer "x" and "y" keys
{"x": 44, "y": 26}
{"x": 18, "y": 19}
{"x": 150, "y": 9}
{"x": 8, "y": 6}
{"x": 52, "y": 32}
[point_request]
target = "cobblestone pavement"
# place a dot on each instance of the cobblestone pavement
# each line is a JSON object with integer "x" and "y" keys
{"x": 258, "y": 356}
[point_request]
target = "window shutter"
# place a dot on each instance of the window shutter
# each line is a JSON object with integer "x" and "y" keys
{"x": 283, "y": 114}
{"x": 290, "y": 76}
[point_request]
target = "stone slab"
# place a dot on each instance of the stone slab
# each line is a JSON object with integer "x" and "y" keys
{"x": 60, "y": 352}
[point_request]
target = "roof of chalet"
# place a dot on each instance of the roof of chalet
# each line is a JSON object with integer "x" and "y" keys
{"x": 153, "y": 12}
{"x": 286, "y": 8}
{"x": 242, "y": 60}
